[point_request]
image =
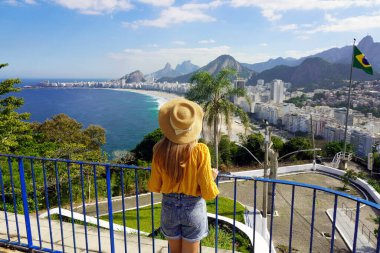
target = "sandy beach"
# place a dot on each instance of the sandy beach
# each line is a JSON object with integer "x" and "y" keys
{"x": 161, "y": 96}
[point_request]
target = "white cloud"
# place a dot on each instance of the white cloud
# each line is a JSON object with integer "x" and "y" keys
{"x": 289, "y": 27}
{"x": 94, "y": 7}
{"x": 19, "y": 2}
{"x": 158, "y": 2}
{"x": 273, "y": 9}
{"x": 12, "y": 2}
{"x": 187, "y": 13}
{"x": 179, "y": 42}
{"x": 133, "y": 59}
{"x": 357, "y": 23}
{"x": 299, "y": 54}
{"x": 210, "y": 41}
{"x": 263, "y": 44}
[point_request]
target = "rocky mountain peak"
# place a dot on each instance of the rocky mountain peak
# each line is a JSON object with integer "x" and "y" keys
{"x": 366, "y": 42}
{"x": 134, "y": 77}
{"x": 186, "y": 67}
{"x": 168, "y": 66}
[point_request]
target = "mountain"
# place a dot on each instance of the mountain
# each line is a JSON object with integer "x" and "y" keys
{"x": 259, "y": 67}
{"x": 343, "y": 55}
{"x": 370, "y": 48}
{"x": 223, "y": 61}
{"x": 186, "y": 67}
{"x": 314, "y": 73}
{"x": 134, "y": 77}
{"x": 167, "y": 71}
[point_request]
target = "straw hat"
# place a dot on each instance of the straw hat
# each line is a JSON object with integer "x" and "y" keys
{"x": 180, "y": 120}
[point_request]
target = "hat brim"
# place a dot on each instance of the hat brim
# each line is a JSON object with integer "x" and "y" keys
{"x": 167, "y": 129}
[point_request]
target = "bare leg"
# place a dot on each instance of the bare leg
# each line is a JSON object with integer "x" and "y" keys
{"x": 175, "y": 245}
{"x": 190, "y": 247}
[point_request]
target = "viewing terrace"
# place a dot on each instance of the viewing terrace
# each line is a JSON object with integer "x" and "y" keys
{"x": 55, "y": 205}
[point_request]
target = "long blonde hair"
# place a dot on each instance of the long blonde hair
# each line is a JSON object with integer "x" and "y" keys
{"x": 172, "y": 157}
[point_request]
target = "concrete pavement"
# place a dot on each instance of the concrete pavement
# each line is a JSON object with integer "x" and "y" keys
{"x": 54, "y": 239}
{"x": 346, "y": 228}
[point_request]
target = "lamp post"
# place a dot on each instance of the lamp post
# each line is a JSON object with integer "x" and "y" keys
{"x": 273, "y": 171}
{"x": 257, "y": 160}
{"x": 299, "y": 151}
{"x": 267, "y": 205}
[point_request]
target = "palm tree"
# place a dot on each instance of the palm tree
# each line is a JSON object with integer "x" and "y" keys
{"x": 213, "y": 93}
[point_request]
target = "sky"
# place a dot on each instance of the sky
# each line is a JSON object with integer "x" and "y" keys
{"x": 110, "y": 38}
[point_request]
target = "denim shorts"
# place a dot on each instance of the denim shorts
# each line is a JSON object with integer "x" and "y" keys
{"x": 184, "y": 217}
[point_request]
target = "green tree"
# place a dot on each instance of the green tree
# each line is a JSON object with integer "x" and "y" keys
{"x": 13, "y": 128}
{"x": 278, "y": 143}
{"x": 144, "y": 150}
{"x": 253, "y": 143}
{"x": 66, "y": 138}
{"x": 298, "y": 101}
{"x": 213, "y": 93}
{"x": 334, "y": 147}
{"x": 227, "y": 150}
{"x": 347, "y": 177}
{"x": 295, "y": 144}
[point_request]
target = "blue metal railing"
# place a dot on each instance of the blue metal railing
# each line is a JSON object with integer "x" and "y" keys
{"x": 31, "y": 186}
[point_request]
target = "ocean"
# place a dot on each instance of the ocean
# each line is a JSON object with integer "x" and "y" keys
{"x": 126, "y": 116}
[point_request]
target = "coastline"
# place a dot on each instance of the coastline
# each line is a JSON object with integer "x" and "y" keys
{"x": 160, "y": 96}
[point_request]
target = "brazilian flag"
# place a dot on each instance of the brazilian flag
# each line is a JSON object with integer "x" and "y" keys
{"x": 361, "y": 62}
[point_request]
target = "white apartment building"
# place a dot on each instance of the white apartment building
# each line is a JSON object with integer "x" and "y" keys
{"x": 319, "y": 123}
{"x": 295, "y": 122}
{"x": 277, "y": 91}
{"x": 271, "y": 112}
{"x": 363, "y": 141}
{"x": 335, "y": 132}
{"x": 340, "y": 116}
{"x": 260, "y": 82}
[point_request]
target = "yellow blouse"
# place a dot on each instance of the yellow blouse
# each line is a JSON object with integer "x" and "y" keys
{"x": 197, "y": 179}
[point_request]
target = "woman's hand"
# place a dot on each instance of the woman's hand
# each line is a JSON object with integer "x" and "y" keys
{"x": 215, "y": 173}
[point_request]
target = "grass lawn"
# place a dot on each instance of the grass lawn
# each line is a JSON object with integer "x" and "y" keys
{"x": 225, "y": 208}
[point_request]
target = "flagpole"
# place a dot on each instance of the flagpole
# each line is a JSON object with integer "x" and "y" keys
{"x": 343, "y": 163}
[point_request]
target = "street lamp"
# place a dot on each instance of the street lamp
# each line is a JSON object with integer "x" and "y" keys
{"x": 299, "y": 151}
{"x": 267, "y": 205}
{"x": 273, "y": 172}
{"x": 257, "y": 160}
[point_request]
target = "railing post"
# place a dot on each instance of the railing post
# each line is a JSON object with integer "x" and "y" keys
{"x": 356, "y": 226}
{"x": 25, "y": 202}
{"x": 110, "y": 215}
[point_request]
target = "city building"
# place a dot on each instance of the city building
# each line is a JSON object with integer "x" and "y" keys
{"x": 277, "y": 94}
{"x": 363, "y": 141}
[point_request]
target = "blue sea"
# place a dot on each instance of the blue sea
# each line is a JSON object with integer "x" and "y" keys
{"x": 126, "y": 116}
